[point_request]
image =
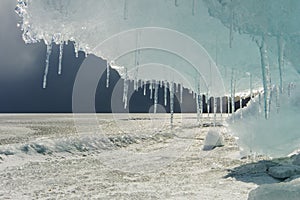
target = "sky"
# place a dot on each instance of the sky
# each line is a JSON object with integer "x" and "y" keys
{"x": 21, "y": 75}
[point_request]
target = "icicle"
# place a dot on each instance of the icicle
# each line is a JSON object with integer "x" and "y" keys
{"x": 289, "y": 89}
{"x": 137, "y": 60}
{"x": 145, "y": 87}
{"x": 221, "y": 106}
{"x": 266, "y": 76}
{"x": 194, "y": 7}
{"x": 241, "y": 106}
{"x": 156, "y": 96}
{"x": 251, "y": 87}
{"x": 228, "y": 105}
{"x": 135, "y": 85}
{"x": 231, "y": 30}
{"x": 277, "y": 98}
{"x": 48, "y": 53}
{"x": 125, "y": 13}
{"x": 198, "y": 108}
{"x": 208, "y": 104}
{"x": 165, "y": 93}
{"x": 181, "y": 93}
{"x": 215, "y": 111}
{"x": 216, "y": 59}
{"x": 125, "y": 91}
{"x": 141, "y": 83}
{"x": 151, "y": 89}
{"x": 61, "y": 49}
{"x": 281, "y": 46}
{"x": 199, "y": 104}
{"x": 232, "y": 92}
{"x": 76, "y": 49}
{"x": 259, "y": 102}
{"x": 172, "y": 103}
{"x": 135, "y": 80}
{"x": 107, "y": 74}
{"x": 176, "y": 3}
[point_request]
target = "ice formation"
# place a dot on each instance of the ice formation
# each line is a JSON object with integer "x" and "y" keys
{"x": 288, "y": 190}
{"x": 213, "y": 47}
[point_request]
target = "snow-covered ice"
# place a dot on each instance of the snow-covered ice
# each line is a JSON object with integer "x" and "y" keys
{"x": 132, "y": 156}
{"x": 50, "y": 159}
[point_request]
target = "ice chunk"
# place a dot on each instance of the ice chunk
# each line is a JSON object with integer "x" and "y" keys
{"x": 213, "y": 139}
{"x": 277, "y": 191}
{"x": 284, "y": 171}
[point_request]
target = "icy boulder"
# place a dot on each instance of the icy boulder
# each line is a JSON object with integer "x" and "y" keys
{"x": 213, "y": 139}
{"x": 284, "y": 171}
{"x": 278, "y": 191}
{"x": 296, "y": 160}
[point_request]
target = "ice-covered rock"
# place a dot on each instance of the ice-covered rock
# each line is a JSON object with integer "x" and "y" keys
{"x": 278, "y": 191}
{"x": 213, "y": 139}
{"x": 284, "y": 171}
{"x": 296, "y": 160}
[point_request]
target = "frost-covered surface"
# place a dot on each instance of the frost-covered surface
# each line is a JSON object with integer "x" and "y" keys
{"x": 82, "y": 172}
{"x": 45, "y": 156}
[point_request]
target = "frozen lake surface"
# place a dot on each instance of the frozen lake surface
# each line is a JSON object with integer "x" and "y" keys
{"x": 122, "y": 156}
